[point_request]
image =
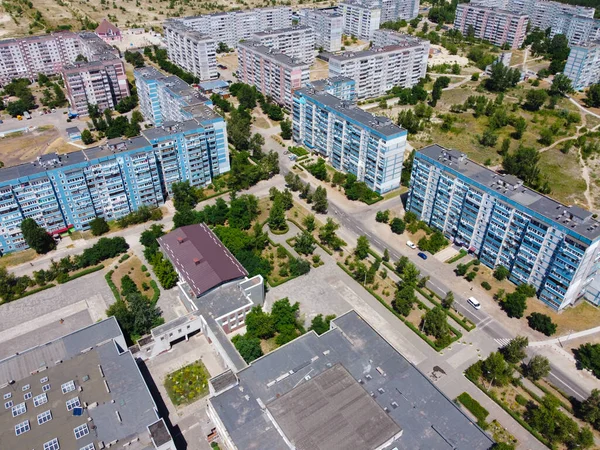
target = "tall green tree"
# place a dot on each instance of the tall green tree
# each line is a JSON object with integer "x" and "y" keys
{"x": 514, "y": 351}
{"x": 362, "y": 247}
{"x": 37, "y": 237}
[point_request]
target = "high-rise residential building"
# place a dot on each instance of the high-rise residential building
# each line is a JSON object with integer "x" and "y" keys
{"x": 392, "y": 10}
{"x": 110, "y": 180}
{"x": 233, "y": 26}
{"x": 494, "y": 25}
{"x": 384, "y": 38}
{"x": 343, "y": 88}
{"x": 355, "y": 141}
{"x": 274, "y": 74}
{"x": 102, "y": 83}
{"x": 191, "y": 50}
{"x": 361, "y": 18}
{"x": 378, "y": 70}
{"x": 541, "y": 242}
{"x": 327, "y": 24}
{"x": 167, "y": 98}
{"x": 83, "y": 391}
{"x": 583, "y": 65}
{"x": 578, "y": 30}
{"x": 295, "y": 42}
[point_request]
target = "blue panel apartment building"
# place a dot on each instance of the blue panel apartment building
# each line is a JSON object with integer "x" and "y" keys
{"x": 111, "y": 180}
{"x": 341, "y": 87}
{"x": 541, "y": 241}
{"x": 355, "y": 141}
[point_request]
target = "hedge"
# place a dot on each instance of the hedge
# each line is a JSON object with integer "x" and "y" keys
{"x": 279, "y": 232}
{"x": 112, "y": 286}
{"x": 474, "y": 407}
{"x": 124, "y": 258}
{"x": 288, "y": 278}
{"x": 461, "y": 254}
{"x": 155, "y": 288}
{"x": 33, "y": 291}
{"x": 83, "y": 272}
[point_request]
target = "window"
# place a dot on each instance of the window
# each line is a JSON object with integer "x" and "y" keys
{"x": 44, "y": 380}
{"x": 8, "y": 404}
{"x": 46, "y": 387}
{"x": 68, "y": 387}
{"x": 40, "y": 400}
{"x": 81, "y": 431}
{"x": 44, "y": 417}
{"x": 88, "y": 447}
{"x": 26, "y": 387}
{"x": 19, "y": 409}
{"x": 22, "y": 427}
{"x": 27, "y": 396}
{"x": 73, "y": 403}
{"x": 52, "y": 445}
{"x": 7, "y": 395}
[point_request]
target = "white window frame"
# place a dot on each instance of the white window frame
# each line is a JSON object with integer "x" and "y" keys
{"x": 52, "y": 445}
{"x": 81, "y": 431}
{"x": 7, "y": 395}
{"x": 44, "y": 417}
{"x": 39, "y": 400}
{"x": 19, "y": 409}
{"x": 67, "y": 387}
{"x": 73, "y": 403}
{"x": 90, "y": 446}
{"x": 22, "y": 427}
{"x": 44, "y": 380}
{"x": 26, "y": 387}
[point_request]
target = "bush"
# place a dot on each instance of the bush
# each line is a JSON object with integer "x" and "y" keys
{"x": 487, "y": 286}
{"x": 500, "y": 273}
{"x": 124, "y": 258}
{"x": 383, "y": 216}
{"x": 542, "y": 323}
{"x": 99, "y": 226}
{"x": 474, "y": 407}
{"x": 471, "y": 276}
{"x": 521, "y": 400}
{"x": 397, "y": 225}
{"x": 104, "y": 249}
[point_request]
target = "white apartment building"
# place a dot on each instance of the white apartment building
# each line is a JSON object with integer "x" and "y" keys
{"x": 544, "y": 14}
{"x": 495, "y": 25}
{"x": 384, "y": 37}
{"x": 583, "y": 65}
{"x": 273, "y": 73}
{"x": 361, "y": 19}
{"x": 327, "y": 24}
{"x": 191, "y": 50}
{"x": 578, "y": 30}
{"x": 378, "y": 70}
{"x": 233, "y": 26}
{"x": 398, "y": 9}
{"x": 295, "y": 42}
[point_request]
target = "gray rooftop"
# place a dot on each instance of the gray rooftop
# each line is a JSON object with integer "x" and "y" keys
{"x": 349, "y": 56}
{"x": 274, "y": 55}
{"x": 320, "y": 85}
{"x": 279, "y": 31}
{"x": 499, "y": 11}
{"x": 572, "y": 218}
{"x": 428, "y": 419}
{"x": 188, "y": 32}
{"x": 380, "y": 124}
{"x": 115, "y": 399}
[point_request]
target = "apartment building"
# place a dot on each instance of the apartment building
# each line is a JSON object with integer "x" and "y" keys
{"x": 191, "y": 50}
{"x": 398, "y": 9}
{"x": 361, "y": 18}
{"x": 543, "y": 14}
{"x": 295, "y": 42}
{"x": 343, "y": 88}
{"x": 355, "y": 141}
{"x": 102, "y": 83}
{"x": 384, "y": 38}
{"x": 578, "y": 30}
{"x": 233, "y": 26}
{"x": 583, "y": 65}
{"x": 110, "y": 180}
{"x": 167, "y": 98}
{"x": 542, "y": 242}
{"x": 273, "y": 73}
{"x": 378, "y": 70}
{"x": 494, "y": 25}
{"x": 327, "y": 24}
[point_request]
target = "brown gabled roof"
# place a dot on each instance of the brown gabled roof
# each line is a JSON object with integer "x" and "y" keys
{"x": 200, "y": 258}
{"x": 106, "y": 27}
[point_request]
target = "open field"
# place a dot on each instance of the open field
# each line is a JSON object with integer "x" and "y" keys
{"x": 22, "y": 147}
{"x": 132, "y": 267}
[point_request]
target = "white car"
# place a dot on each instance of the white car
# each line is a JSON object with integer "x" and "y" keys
{"x": 474, "y": 303}
{"x": 411, "y": 244}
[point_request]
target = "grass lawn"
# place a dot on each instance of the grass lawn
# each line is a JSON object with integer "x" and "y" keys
{"x": 16, "y": 258}
{"x": 133, "y": 268}
{"x": 564, "y": 174}
{"x": 187, "y": 384}
{"x": 578, "y": 318}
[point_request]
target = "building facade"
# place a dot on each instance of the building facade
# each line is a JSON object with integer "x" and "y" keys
{"x": 112, "y": 180}
{"x": 378, "y": 70}
{"x": 167, "y": 98}
{"x": 295, "y": 42}
{"x": 355, "y": 141}
{"x": 274, "y": 74}
{"x": 343, "y": 88}
{"x": 583, "y": 65}
{"x": 108, "y": 32}
{"x": 384, "y": 38}
{"x": 102, "y": 83}
{"x": 233, "y": 26}
{"x": 392, "y": 10}
{"x": 328, "y": 26}
{"x": 546, "y": 244}
{"x": 361, "y": 18}
{"x": 494, "y": 25}
{"x": 191, "y": 50}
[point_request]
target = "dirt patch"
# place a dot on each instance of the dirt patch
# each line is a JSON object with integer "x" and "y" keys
{"x": 22, "y": 147}
{"x": 319, "y": 70}
{"x": 581, "y": 317}
{"x": 132, "y": 267}
{"x": 261, "y": 122}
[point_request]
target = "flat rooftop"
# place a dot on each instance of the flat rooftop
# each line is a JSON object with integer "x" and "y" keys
{"x": 252, "y": 412}
{"x": 349, "y": 56}
{"x": 278, "y": 31}
{"x": 380, "y": 124}
{"x": 83, "y": 388}
{"x": 572, "y": 219}
{"x": 269, "y": 53}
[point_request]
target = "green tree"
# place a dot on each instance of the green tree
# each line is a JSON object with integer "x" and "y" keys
{"x": 328, "y": 236}
{"x": 248, "y": 347}
{"x": 588, "y": 357}
{"x": 520, "y": 125}
{"x": 502, "y": 77}
{"x": 535, "y": 99}
{"x": 286, "y": 129}
{"x": 561, "y": 85}
{"x": 305, "y": 243}
{"x": 410, "y": 274}
{"x": 589, "y": 410}
{"x": 435, "y": 323}
{"x": 495, "y": 370}
{"x": 37, "y": 237}
{"x": 99, "y": 226}
{"x": 397, "y": 225}
{"x": 515, "y": 305}
{"x": 319, "y": 198}
{"x": 501, "y": 272}
{"x": 523, "y": 163}
{"x": 276, "y": 218}
{"x": 383, "y": 216}
{"x": 542, "y": 323}
{"x": 404, "y": 299}
{"x": 86, "y": 137}
{"x": 242, "y": 211}
{"x": 183, "y": 196}
{"x": 259, "y": 323}
{"x": 514, "y": 351}
{"x": 320, "y": 325}
{"x": 488, "y": 138}
{"x": 298, "y": 266}
{"x": 538, "y": 367}
{"x": 448, "y": 300}
{"x": 592, "y": 98}
{"x": 309, "y": 223}
{"x": 362, "y": 247}
{"x": 386, "y": 255}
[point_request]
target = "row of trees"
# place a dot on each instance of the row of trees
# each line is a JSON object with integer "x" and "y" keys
{"x": 318, "y": 198}
{"x": 163, "y": 269}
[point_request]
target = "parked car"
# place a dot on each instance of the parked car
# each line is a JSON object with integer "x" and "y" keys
{"x": 422, "y": 255}
{"x": 411, "y": 244}
{"x": 474, "y": 303}
{"x": 292, "y": 157}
